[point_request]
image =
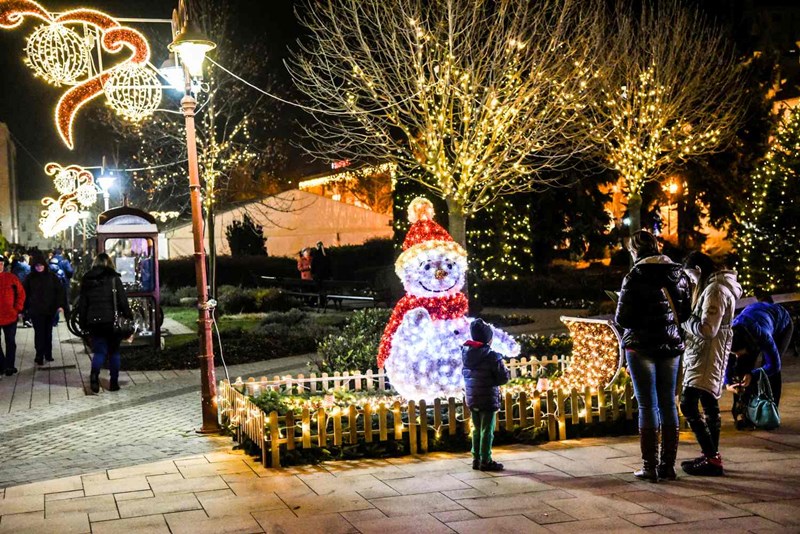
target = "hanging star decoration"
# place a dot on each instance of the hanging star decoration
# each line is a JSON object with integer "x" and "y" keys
{"x": 57, "y": 53}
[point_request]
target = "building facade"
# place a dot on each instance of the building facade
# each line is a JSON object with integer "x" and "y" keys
{"x": 9, "y": 203}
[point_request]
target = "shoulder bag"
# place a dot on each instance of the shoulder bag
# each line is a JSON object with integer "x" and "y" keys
{"x": 123, "y": 326}
{"x": 761, "y": 408}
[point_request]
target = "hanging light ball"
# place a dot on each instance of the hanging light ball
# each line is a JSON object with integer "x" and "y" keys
{"x": 64, "y": 181}
{"x": 86, "y": 195}
{"x": 134, "y": 91}
{"x": 57, "y": 54}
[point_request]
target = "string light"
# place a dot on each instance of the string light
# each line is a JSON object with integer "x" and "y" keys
{"x": 134, "y": 91}
{"x": 768, "y": 242}
{"x": 421, "y": 344}
{"x": 57, "y": 54}
{"x": 595, "y": 355}
{"x": 77, "y": 192}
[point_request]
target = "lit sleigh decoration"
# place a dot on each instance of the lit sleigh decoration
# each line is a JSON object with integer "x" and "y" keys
{"x": 62, "y": 56}
{"x": 77, "y": 191}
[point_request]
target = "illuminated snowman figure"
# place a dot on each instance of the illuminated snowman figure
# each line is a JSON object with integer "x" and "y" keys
{"x": 421, "y": 345}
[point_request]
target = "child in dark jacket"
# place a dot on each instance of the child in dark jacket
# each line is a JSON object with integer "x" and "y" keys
{"x": 484, "y": 371}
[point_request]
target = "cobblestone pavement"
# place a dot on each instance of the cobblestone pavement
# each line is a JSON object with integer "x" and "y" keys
{"x": 60, "y": 435}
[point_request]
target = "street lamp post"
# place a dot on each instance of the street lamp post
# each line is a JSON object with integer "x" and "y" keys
{"x": 189, "y": 45}
{"x": 671, "y": 189}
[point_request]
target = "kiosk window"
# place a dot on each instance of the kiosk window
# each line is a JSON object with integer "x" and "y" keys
{"x": 133, "y": 258}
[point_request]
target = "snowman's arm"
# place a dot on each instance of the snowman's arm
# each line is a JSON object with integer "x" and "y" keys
{"x": 415, "y": 325}
{"x": 504, "y": 343}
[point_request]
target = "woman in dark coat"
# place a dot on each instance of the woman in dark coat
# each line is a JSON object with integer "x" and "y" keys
{"x": 653, "y": 292}
{"x": 100, "y": 287}
{"x": 44, "y": 298}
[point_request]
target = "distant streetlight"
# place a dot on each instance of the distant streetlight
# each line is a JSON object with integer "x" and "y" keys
{"x": 190, "y": 47}
{"x": 106, "y": 182}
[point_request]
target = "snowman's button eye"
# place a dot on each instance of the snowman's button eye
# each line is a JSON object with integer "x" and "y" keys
{"x": 427, "y": 267}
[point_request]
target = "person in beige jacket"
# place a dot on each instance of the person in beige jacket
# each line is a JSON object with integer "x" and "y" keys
{"x": 708, "y": 341}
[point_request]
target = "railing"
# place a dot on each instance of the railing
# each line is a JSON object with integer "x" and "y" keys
{"x": 418, "y": 421}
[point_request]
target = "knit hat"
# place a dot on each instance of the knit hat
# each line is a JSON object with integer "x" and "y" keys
{"x": 426, "y": 235}
{"x": 480, "y": 331}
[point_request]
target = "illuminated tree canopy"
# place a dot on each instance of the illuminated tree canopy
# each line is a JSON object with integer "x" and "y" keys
{"x": 479, "y": 96}
{"x": 670, "y": 90}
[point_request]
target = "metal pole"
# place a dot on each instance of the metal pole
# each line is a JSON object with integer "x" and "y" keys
{"x": 106, "y": 197}
{"x": 208, "y": 381}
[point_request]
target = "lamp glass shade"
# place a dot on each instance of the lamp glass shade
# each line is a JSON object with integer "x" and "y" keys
{"x": 106, "y": 182}
{"x": 191, "y": 45}
{"x": 172, "y": 72}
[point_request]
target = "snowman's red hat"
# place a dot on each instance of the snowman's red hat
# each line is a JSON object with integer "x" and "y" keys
{"x": 426, "y": 237}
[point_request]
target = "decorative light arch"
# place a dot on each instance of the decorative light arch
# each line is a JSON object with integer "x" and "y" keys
{"x": 78, "y": 193}
{"x": 52, "y": 55}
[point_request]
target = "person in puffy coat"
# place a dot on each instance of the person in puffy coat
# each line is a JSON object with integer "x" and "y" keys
{"x": 12, "y": 301}
{"x": 653, "y": 293}
{"x": 100, "y": 287}
{"x": 709, "y": 333}
{"x": 44, "y": 296}
{"x": 764, "y": 329}
{"x": 484, "y": 371}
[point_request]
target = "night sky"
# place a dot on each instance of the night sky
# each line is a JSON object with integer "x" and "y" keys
{"x": 27, "y": 103}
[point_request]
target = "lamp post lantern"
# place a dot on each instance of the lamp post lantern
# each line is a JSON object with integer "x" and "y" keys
{"x": 190, "y": 47}
{"x": 106, "y": 182}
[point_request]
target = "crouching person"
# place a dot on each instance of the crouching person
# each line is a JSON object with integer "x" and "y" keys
{"x": 484, "y": 371}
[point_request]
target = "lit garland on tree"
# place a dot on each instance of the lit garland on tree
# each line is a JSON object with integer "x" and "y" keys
{"x": 769, "y": 241}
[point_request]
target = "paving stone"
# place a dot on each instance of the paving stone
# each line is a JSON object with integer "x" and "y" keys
{"x": 155, "y": 468}
{"x": 783, "y": 512}
{"x": 98, "y": 486}
{"x": 63, "y": 495}
{"x": 650, "y": 519}
{"x": 87, "y": 505}
{"x": 597, "y": 506}
{"x": 547, "y": 517}
{"x": 455, "y": 515}
{"x": 513, "y": 503}
{"x": 197, "y": 523}
{"x": 36, "y": 523}
{"x": 423, "y": 503}
{"x": 17, "y": 505}
{"x": 152, "y": 524}
{"x": 367, "y": 486}
{"x": 290, "y": 524}
{"x": 233, "y": 505}
{"x": 49, "y": 486}
{"x": 617, "y": 525}
{"x": 418, "y": 524}
{"x": 342, "y": 500}
{"x": 217, "y": 468}
{"x": 426, "y": 484}
{"x": 510, "y": 524}
{"x": 160, "y": 504}
{"x": 507, "y": 485}
{"x": 683, "y": 509}
{"x": 131, "y": 495}
{"x": 177, "y": 484}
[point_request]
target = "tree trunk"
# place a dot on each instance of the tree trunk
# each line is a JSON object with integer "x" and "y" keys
{"x": 635, "y": 212}
{"x": 457, "y": 226}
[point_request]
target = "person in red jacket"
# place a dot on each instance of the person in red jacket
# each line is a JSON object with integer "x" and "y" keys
{"x": 12, "y": 301}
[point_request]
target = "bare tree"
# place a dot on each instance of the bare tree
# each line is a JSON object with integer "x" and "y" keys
{"x": 479, "y": 96}
{"x": 671, "y": 90}
{"x": 232, "y": 126}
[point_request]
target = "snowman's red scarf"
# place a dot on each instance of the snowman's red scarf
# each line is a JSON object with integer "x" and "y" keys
{"x": 448, "y": 307}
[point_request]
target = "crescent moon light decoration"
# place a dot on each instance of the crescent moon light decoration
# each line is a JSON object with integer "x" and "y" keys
{"x": 78, "y": 192}
{"x": 57, "y": 62}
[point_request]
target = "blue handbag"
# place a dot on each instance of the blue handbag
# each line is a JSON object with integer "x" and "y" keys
{"x": 761, "y": 408}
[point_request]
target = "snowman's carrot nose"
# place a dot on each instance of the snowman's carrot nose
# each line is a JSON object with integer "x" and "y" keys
{"x": 440, "y": 274}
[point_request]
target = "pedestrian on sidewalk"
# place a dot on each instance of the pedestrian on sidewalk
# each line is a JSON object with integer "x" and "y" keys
{"x": 21, "y": 268}
{"x": 709, "y": 333}
{"x": 653, "y": 302}
{"x": 44, "y": 297}
{"x": 101, "y": 294}
{"x": 761, "y": 329}
{"x": 484, "y": 371}
{"x": 12, "y": 302}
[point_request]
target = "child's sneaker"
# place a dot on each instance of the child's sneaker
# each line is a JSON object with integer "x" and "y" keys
{"x": 708, "y": 467}
{"x": 491, "y": 466}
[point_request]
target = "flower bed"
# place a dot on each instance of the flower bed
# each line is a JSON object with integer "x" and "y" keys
{"x": 349, "y": 409}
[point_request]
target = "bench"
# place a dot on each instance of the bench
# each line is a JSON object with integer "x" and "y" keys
{"x": 327, "y": 292}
